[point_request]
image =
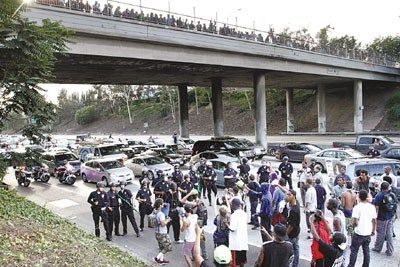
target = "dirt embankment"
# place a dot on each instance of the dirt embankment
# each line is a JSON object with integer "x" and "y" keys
{"x": 339, "y": 111}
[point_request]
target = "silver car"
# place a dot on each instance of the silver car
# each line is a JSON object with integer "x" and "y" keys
{"x": 208, "y": 155}
{"x": 149, "y": 164}
{"x": 332, "y": 155}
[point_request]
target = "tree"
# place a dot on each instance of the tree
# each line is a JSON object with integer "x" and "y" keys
{"x": 389, "y": 45}
{"x": 323, "y": 36}
{"x": 126, "y": 92}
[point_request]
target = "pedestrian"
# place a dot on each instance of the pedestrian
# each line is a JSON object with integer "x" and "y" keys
{"x": 175, "y": 137}
{"x": 311, "y": 202}
{"x": 186, "y": 186}
{"x": 386, "y": 204}
{"x": 244, "y": 170}
{"x": 292, "y": 212}
{"x": 238, "y": 237}
{"x": 143, "y": 196}
{"x": 317, "y": 173}
{"x": 332, "y": 251}
{"x": 221, "y": 221}
{"x": 161, "y": 190}
{"x": 322, "y": 229}
{"x": 177, "y": 175}
{"x": 230, "y": 176}
{"x": 302, "y": 174}
{"x": 209, "y": 178}
{"x": 263, "y": 172}
{"x": 174, "y": 203}
{"x": 162, "y": 237}
{"x": 277, "y": 251}
{"x": 339, "y": 188}
{"x": 362, "y": 182}
{"x": 321, "y": 194}
{"x": 388, "y": 172}
{"x": 127, "y": 209}
{"x": 113, "y": 210}
{"x": 189, "y": 222}
{"x": 254, "y": 199}
{"x": 342, "y": 175}
{"x": 339, "y": 220}
{"x": 364, "y": 222}
{"x": 349, "y": 201}
{"x": 265, "y": 212}
{"x": 286, "y": 169}
{"x": 99, "y": 202}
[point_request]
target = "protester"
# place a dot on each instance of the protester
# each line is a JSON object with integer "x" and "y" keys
{"x": 221, "y": 233}
{"x": 318, "y": 222}
{"x": 342, "y": 175}
{"x": 388, "y": 172}
{"x": 174, "y": 204}
{"x": 339, "y": 220}
{"x": 293, "y": 224}
{"x": 339, "y": 188}
{"x": 254, "y": 199}
{"x": 317, "y": 173}
{"x": 189, "y": 222}
{"x": 265, "y": 212}
{"x": 277, "y": 198}
{"x": 321, "y": 194}
{"x": 238, "y": 238}
{"x": 162, "y": 237}
{"x": 311, "y": 202}
{"x": 302, "y": 175}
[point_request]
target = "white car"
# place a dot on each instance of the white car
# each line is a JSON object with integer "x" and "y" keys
{"x": 208, "y": 155}
{"x": 149, "y": 164}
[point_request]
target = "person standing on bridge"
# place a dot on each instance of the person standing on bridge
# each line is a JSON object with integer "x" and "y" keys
{"x": 100, "y": 202}
{"x": 286, "y": 169}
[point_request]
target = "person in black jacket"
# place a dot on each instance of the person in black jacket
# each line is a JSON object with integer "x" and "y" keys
{"x": 145, "y": 205}
{"x": 113, "y": 209}
{"x": 174, "y": 202}
{"x": 100, "y": 202}
{"x": 127, "y": 209}
{"x": 255, "y": 186}
{"x": 286, "y": 169}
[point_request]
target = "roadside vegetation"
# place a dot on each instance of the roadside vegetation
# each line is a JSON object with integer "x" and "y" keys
{"x": 33, "y": 236}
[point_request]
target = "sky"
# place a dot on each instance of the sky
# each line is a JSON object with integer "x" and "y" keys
{"x": 365, "y": 19}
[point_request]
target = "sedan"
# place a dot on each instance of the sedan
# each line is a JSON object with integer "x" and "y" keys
{"x": 149, "y": 164}
{"x": 208, "y": 155}
{"x": 105, "y": 170}
{"x": 296, "y": 151}
{"x": 332, "y": 156}
{"x": 391, "y": 153}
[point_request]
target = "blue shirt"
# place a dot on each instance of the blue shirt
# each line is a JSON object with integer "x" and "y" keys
{"x": 383, "y": 215}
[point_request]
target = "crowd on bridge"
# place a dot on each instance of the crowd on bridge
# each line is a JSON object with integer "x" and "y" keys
{"x": 212, "y": 27}
{"x": 275, "y": 208}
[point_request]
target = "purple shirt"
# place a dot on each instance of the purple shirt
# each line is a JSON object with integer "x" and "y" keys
{"x": 321, "y": 193}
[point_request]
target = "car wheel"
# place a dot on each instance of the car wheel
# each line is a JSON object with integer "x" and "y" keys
{"x": 105, "y": 181}
{"x": 321, "y": 166}
{"x": 150, "y": 175}
{"x": 84, "y": 178}
{"x": 272, "y": 152}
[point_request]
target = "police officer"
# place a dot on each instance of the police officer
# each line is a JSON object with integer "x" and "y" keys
{"x": 145, "y": 205}
{"x": 200, "y": 170}
{"x": 186, "y": 186}
{"x": 263, "y": 172}
{"x": 177, "y": 175}
{"x": 159, "y": 176}
{"x": 161, "y": 190}
{"x": 127, "y": 209}
{"x": 210, "y": 177}
{"x": 99, "y": 201}
{"x": 113, "y": 209}
{"x": 244, "y": 170}
{"x": 194, "y": 178}
{"x": 229, "y": 176}
{"x": 372, "y": 152}
{"x": 286, "y": 169}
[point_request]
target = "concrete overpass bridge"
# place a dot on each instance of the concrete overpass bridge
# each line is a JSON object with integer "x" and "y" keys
{"x": 109, "y": 50}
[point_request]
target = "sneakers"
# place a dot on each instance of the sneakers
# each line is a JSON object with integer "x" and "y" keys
{"x": 141, "y": 229}
{"x": 161, "y": 262}
{"x": 138, "y": 235}
{"x": 179, "y": 241}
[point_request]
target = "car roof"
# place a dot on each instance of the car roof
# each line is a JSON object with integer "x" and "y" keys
{"x": 145, "y": 157}
{"x": 102, "y": 160}
{"x": 224, "y": 160}
{"x": 338, "y": 149}
{"x": 367, "y": 160}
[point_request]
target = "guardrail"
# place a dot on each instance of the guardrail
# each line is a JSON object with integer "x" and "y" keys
{"x": 212, "y": 26}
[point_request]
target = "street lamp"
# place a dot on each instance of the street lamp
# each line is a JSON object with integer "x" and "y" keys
{"x": 24, "y": 2}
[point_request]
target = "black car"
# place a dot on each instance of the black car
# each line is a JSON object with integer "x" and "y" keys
{"x": 228, "y": 144}
{"x": 169, "y": 155}
{"x": 391, "y": 153}
{"x": 296, "y": 151}
{"x": 57, "y": 159}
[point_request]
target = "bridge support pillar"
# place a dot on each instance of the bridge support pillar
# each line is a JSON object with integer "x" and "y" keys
{"x": 358, "y": 107}
{"x": 321, "y": 105}
{"x": 289, "y": 111}
{"x": 218, "y": 114}
{"x": 183, "y": 111}
{"x": 260, "y": 109}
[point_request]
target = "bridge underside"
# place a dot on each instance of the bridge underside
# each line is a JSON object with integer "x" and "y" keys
{"x": 84, "y": 69}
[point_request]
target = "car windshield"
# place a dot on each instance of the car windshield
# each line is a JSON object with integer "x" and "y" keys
{"x": 111, "y": 165}
{"x": 233, "y": 144}
{"x": 153, "y": 161}
{"x": 110, "y": 150}
{"x": 68, "y": 157}
{"x": 246, "y": 142}
{"x": 313, "y": 148}
{"x": 388, "y": 140}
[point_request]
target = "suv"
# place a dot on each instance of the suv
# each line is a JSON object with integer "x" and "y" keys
{"x": 57, "y": 158}
{"x": 296, "y": 151}
{"x": 110, "y": 151}
{"x": 229, "y": 144}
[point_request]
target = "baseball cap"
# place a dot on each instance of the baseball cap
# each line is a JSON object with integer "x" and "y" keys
{"x": 280, "y": 231}
{"x": 222, "y": 255}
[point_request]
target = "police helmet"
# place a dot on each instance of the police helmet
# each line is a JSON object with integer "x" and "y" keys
{"x": 99, "y": 185}
{"x": 244, "y": 160}
{"x": 159, "y": 172}
{"x": 113, "y": 184}
{"x": 176, "y": 167}
{"x": 285, "y": 158}
{"x": 122, "y": 182}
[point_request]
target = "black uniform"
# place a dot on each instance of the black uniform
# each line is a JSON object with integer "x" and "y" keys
{"x": 244, "y": 170}
{"x": 177, "y": 177}
{"x": 230, "y": 182}
{"x": 201, "y": 169}
{"x": 145, "y": 208}
{"x": 264, "y": 173}
{"x": 286, "y": 170}
{"x": 173, "y": 200}
{"x": 210, "y": 177}
{"x": 99, "y": 201}
{"x": 113, "y": 212}
{"x": 161, "y": 189}
{"x": 373, "y": 153}
{"x": 127, "y": 210}
{"x": 194, "y": 178}
{"x": 186, "y": 186}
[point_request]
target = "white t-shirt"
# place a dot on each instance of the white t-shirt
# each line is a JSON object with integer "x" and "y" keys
{"x": 394, "y": 178}
{"x": 190, "y": 232}
{"x": 364, "y": 212}
{"x": 342, "y": 218}
{"x": 303, "y": 173}
{"x": 311, "y": 199}
{"x": 238, "y": 237}
{"x": 160, "y": 216}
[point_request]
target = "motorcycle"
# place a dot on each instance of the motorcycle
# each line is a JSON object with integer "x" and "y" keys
{"x": 65, "y": 176}
{"x": 23, "y": 176}
{"x": 40, "y": 173}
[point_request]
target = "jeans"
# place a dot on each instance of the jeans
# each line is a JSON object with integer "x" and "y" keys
{"x": 175, "y": 222}
{"x": 384, "y": 231}
{"x": 253, "y": 211}
{"x": 266, "y": 223}
{"x": 296, "y": 251}
{"x": 356, "y": 242}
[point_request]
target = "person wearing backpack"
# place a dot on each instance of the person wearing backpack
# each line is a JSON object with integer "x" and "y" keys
{"x": 386, "y": 205}
{"x": 221, "y": 234}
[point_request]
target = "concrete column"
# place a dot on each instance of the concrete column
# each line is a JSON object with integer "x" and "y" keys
{"x": 183, "y": 111}
{"x": 289, "y": 111}
{"x": 260, "y": 109}
{"x": 218, "y": 114}
{"x": 321, "y": 109}
{"x": 358, "y": 107}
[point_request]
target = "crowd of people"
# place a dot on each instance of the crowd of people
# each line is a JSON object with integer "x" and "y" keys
{"x": 304, "y": 43}
{"x": 180, "y": 201}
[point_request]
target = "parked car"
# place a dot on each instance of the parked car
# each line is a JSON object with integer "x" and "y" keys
{"x": 391, "y": 153}
{"x": 105, "y": 170}
{"x": 168, "y": 154}
{"x": 137, "y": 146}
{"x": 208, "y": 155}
{"x": 181, "y": 149}
{"x": 228, "y": 144}
{"x": 219, "y": 165}
{"x": 258, "y": 151}
{"x": 363, "y": 143}
{"x": 187, "y": 142}
{"x": 55, "y": 159}
{"x": 332, "y": 155}
{"x": 149, "y": 164}
{"x": 155, "y": 141}
{"x": 128, "y": 151}
{"x": 374, "y": 167}
{"x": 296, "y": 151}
{"x": 86, "y": 153}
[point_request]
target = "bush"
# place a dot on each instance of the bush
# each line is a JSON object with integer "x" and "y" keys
{"x": 86, "y": 115}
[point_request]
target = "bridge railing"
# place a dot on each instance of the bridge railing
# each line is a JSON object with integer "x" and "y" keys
{"x": 119, "y": 9}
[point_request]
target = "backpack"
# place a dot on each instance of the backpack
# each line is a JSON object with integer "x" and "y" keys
{"x": 152, "y": 219}
{"x": 201, "y": 211}
{"x": 389, "y": 202}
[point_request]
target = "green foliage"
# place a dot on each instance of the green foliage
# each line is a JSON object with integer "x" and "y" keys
{"x": 275, "y": 97}
{"x": 302, "y": 96}
{"x": 345, "y": 42}
{"x": 28, "y": 158}
{"x": 86, "y": 115}
{"x": 389, "y": 45}
{"x": 393, "y": 107}
{"x": 33, "y": 236}
{"x": 323, "y": 35}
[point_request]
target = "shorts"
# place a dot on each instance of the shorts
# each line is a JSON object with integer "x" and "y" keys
{"x": 164, "y": 243}
{"x": 187, "y": 248}
{"x": 239, "y": 257}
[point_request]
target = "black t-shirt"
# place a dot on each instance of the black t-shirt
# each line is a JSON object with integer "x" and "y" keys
{"x": 330, "y": 252}
{"x": 294, "y": 220}
{"x": 277, "y": 254}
